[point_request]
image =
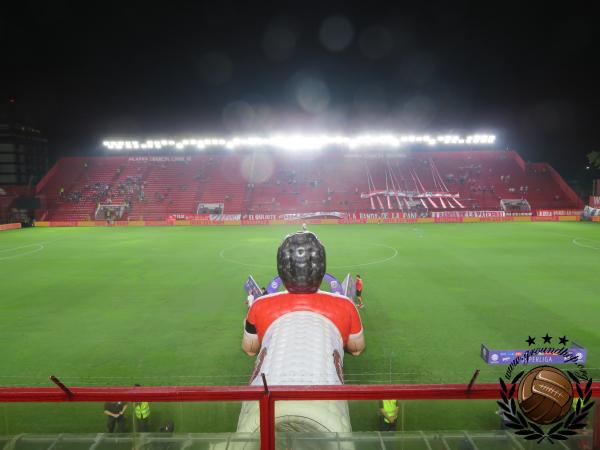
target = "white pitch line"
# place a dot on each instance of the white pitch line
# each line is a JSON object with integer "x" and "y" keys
{"x": 579, "y": 244}
{"x": 18, "y": 248}
{"x": 381, "y": 261}
{"x": 38, "y": 249}
{"x": 31, "y": 245}
{"x": 40, "y": 246}
{"x": 234, "y": 261}
{"x": 370, "y": 263}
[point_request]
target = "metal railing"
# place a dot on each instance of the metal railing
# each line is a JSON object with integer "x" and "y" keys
{"x": 267, "y": 396}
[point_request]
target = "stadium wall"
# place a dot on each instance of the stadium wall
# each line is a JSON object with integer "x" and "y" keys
{"x": 565, "y": 187}
{"x": 517, "y": 158}
{"x": 153, "y": 223}
{"x": 10, "y": 226}
{"x": 44, "y": 181}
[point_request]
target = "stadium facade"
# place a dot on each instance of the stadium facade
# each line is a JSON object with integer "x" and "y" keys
{"x": 274, "y": 184}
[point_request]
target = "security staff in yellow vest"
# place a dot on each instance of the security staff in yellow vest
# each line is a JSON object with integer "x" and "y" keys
{"x": 389, "y": 414}
{"x": 142, "y": 415}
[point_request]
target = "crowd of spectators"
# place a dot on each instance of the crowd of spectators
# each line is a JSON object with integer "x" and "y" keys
{"x": 483, "y": 189}
{"x": 130, "y": 190}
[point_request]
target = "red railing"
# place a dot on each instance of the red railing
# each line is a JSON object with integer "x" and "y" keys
{"x": 267, "y": 396}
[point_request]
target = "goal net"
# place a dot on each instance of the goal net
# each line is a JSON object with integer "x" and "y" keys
{"x": 110, "y": 212}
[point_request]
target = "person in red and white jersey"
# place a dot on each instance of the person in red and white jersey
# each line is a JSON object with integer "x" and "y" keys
{"x": 300, "y": 337}
{"x": 301, "y": 267}
{"x": 359, "y": 287}
{"x": 338, "y": 309}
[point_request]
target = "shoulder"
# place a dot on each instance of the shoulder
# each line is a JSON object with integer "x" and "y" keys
{"x": 337, "y": 302}
{"x": 276, "y": 295}
{"x": 264, "y": 300}
{"x": 335, "y": 297}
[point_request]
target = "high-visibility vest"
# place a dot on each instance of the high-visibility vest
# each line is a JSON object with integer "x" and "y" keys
{"x": 389, "y": 406}
{"x": 142, "y": 410}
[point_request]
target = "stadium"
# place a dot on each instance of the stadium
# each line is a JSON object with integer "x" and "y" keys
{"x": 118, "y": 236}
{"x": 309, "y": 280}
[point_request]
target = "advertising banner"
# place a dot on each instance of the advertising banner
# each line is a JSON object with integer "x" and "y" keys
{"x": 349, "y": 286}
{"x": 334, "y": 285}
{"x": 558, "y": 212}
{"x": 10, "y": 226}
{"x": 274, "y": 285}
{"x": 449, "y": 214}
{"x": 252, "y": 287}
{"x": 548, "y": 355}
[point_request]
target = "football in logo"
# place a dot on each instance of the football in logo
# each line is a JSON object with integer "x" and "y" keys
{"x": 545, "y": 395}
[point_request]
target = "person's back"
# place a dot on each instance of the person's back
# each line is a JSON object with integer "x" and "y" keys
{"x": 300, "y": 335}
{"x": 336, "y": 308}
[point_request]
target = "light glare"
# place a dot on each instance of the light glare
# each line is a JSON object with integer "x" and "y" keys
{"x": 303, "y": 142}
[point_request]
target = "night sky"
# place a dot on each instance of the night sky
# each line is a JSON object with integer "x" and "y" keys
{"x": 84, "y": 71}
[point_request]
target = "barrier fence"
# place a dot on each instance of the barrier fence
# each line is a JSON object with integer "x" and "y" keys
{"x": 267, "y": 396}
{"x": 10, "y": 226}
{"x": 141, "y": 223}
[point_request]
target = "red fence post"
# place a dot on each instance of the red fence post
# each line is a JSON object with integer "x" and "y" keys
{"x": 267, "y": 397}
{"x": 596, "y": 428}
{"x": 267, "y": 422}
{"x": 267, "y": 418}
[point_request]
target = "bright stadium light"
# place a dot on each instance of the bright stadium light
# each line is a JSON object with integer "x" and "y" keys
{"x": 302, "y": 142}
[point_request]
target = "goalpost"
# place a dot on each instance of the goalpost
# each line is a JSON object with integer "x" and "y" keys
{"x": 110, "y": 211}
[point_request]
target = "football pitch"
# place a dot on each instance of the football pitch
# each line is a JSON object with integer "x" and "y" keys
{"x": 165, "y": 306}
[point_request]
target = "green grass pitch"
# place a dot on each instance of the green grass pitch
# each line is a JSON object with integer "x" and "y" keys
{"x": 164, "y": 306}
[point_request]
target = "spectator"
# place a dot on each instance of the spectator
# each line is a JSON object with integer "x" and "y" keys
{"x": 142, "y": 414}
{"x": 359, "y": 286}
{"x": 116, "y": 416}
{"x": 389, "y": 414}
